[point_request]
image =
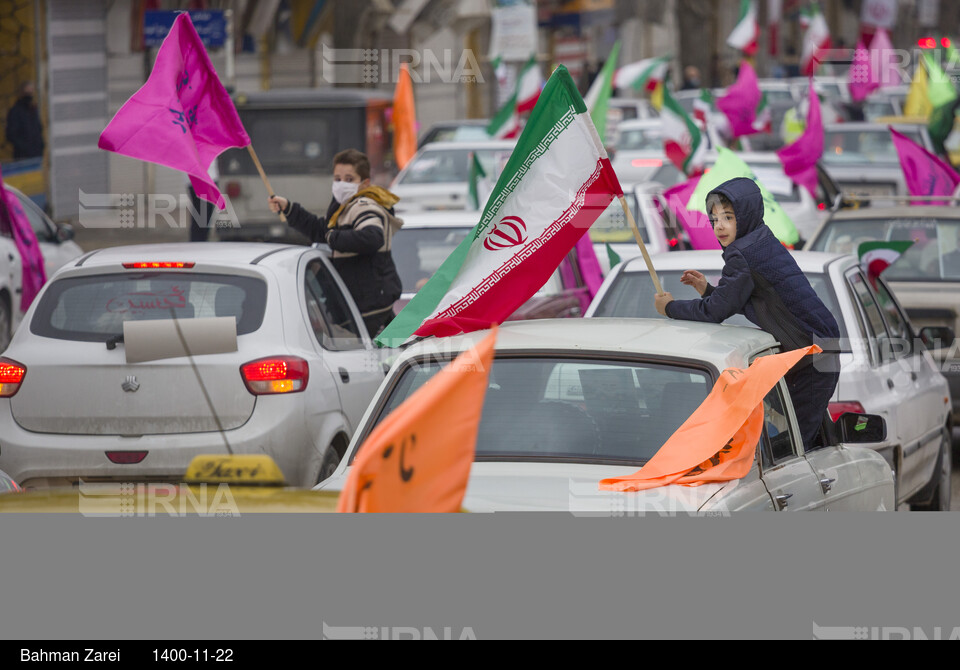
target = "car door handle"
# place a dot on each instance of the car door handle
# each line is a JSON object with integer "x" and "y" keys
{"x": 782, "y": 499}
{"x": 890, "y": 383}
{"x": 344, "y": 376}
{"x": 10, "y": 256}
{"x": 913, "y": 376}
{"x": 826, "y": 483}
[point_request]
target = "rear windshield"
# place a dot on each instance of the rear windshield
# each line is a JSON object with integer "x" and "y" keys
{"x": 93, "y": 308}
{"x": 419, "y": 252}
{"x": 448, "y": 166}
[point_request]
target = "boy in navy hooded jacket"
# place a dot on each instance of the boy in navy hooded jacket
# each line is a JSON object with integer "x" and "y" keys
{"x": 762, "y": 281}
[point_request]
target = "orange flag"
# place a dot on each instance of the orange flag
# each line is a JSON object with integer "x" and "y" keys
{"x": 719, "y": 440}
{"x": 404, "y": 119}
{"x": 418, "y": 459}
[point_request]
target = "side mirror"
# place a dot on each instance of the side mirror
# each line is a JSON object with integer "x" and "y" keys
{"x": 65, "y": 232}
{"x": 861, "y": 428}
{"x": 937, "y": 337}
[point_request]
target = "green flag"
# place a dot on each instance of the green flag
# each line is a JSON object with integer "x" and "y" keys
{"x": 728, "y": 166}
{"x": 479, "y": 187}
{"x": 944, "y": 100}
{"x": 601, "y": 89}
{"x": 612, "y": 256}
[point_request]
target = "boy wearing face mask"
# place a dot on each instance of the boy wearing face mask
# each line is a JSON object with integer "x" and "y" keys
{"x": 358, "y": 227}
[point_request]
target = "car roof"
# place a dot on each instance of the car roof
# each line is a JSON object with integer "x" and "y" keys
{"x": 216, "y": 253}
{"x": 897, "y": 212}
{"x": 440, "y": 218}
{"x": 639, "y": 123}
{"x": 855, "y": 126}
{"x": 809, "y": 261}
{"x": 469, "y": 144}
{"x": 716, "y": 344}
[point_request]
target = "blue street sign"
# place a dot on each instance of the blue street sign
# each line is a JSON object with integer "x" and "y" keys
{"x": 211, "y": 25}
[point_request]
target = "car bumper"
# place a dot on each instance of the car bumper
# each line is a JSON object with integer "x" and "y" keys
{"x": 42, "y": 460}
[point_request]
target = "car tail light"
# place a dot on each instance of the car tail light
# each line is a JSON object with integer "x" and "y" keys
{"x": 277, "y": 374}
{"x": 157, "y": 265}
{"x": 11, "y": 376}
{"x": 927, "y": 43}
{"x": 821, "y": 206}
{"x": 126, "y": 457}
{"x": 673, "y": 242}
{"x": 838, "y": 408}
{"x": 233, "y": 189}
{"x": 646, "y": 162}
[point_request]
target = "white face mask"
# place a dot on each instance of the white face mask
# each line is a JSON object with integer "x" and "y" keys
{"x": 344, "y": 190}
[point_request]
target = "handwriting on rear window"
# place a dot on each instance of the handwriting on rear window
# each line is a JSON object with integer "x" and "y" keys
{"x": 144, "y": 301}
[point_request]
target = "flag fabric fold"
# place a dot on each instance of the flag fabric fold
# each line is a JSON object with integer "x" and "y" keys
{"x": 800, "y": 157}
{"x": 944, "y": 100}
{"x": 644, "y": 75}
{"x": 598, "y": 97}
{"x": 529, "y": 84}
{"x": 418, "y": 458}
{"x": 683, "y": 143}
{"x": 556, "y": 183}
{"x": 718, "y": 442}
{"x": 33, "y": 272}
{"x": 862, "y": 79}
{"x": 182, "y": 117}
{"x": 404, "y": 119}
{"x": 747, "y": 31}
{"x": 816, "y": 38}
{"x": 875, "y": 257}
{"x": 924, "y": 172}
{"x": 479, "y": 187}
{"x": 741, "y": 101}
{"x": 694, "y": 222}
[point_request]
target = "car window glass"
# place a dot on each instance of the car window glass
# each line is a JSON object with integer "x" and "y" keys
{"x": 328, "y": 310}
{"x": 419, "y": 252}
{"x": 567, "y": 408}
{"x": 40, "y": 226}
{"x": 778, "y": 443}
{"x": 611, "y": 226}
{"x": 896, "y": 323}
{"x": 93, "y": 308}
{"x": 876, "y": 329}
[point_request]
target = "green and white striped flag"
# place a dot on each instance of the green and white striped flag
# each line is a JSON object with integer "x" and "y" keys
{"x": 682, "y": 140}
{"x": 479, "y": 186}
{"x": 557, "y": 182}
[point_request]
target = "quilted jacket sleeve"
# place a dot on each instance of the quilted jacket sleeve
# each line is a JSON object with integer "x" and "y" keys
{"x": 727, "y": 298}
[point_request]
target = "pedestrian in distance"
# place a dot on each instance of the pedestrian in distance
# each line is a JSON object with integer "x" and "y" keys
{"x": 358, "y": 227}
{"x": 762, "y": 281}
{"x": 24, "y": 130}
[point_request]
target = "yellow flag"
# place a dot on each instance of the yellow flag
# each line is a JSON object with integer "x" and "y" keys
{"x": 656, "y": 96}
{"x": 918, "y": 102}
{"x": 418, "y": 459}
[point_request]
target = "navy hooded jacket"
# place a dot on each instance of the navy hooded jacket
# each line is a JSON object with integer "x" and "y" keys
{"x": 760, "y": 280}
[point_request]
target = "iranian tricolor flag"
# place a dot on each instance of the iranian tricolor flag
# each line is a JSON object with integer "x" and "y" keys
{"x": 556, "y": 184}
{"x": 682, "y": 140}
{"x": 746, "y": 32}
{"x": 505, "y": 124}
{"x": 875, "y": 257}
{"x": 646, "y": 74}
{"x": 763, "y": 120}
{"x": 529, "y": 84}
{"x": 815, "y": 39}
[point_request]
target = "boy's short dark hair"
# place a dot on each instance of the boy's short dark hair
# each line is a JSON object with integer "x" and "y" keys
{"x": 357, "y": 159}
{"x": 718, "y": 199}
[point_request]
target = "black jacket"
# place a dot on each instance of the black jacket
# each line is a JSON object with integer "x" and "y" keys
{"x": 361, "y": 252}
{"x": 24, "y": 130}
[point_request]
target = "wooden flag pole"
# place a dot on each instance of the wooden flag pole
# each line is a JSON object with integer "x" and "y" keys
{"x": 263, "y": 176}
{"x": 643, "y": 248}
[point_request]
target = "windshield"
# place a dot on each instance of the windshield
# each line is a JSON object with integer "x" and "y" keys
{"x": 448, "y": 166}
{"x": 573, "y": 409}
{"x": 934, "y": 255}
{"x": 419, "y": 252}
{"x": 611, "y": 226}
{"x": 631, "y": 295}
{"x": 640, "y": 139}
{"x": 93, "y": 308}
{"x": 865, "y": 146}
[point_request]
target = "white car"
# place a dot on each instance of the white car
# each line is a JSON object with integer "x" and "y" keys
{"x": 438, "y": 175}
{"x": 11, "y": 287}
{"x": 285, "y": 367}
{"x": 884, "y": 369}
{"x": 571, "y": 403}
{"x": 56, "y": 240}
{"x": 638, "y": 152}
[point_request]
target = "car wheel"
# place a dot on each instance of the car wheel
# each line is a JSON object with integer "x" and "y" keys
{"x": 6, "y": 324}
{"x": 940, "y": 500}
{"x": 331, "y": 459}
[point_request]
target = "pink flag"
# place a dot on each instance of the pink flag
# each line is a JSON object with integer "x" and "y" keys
{"x": 800, "y": 158}
{"x": 862, "y": 78}
{"x": 31, "y": 258}
{"x": 741, "y": 101}
{"x": 884, "y": 60}
{"x": 590, "y": 270}
{"x": 694, "y": 222}
{"x": 925, "y": 173}
{"x": 182, "y": 117}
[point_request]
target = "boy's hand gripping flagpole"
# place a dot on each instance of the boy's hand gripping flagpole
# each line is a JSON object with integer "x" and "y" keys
{"x": 263, "y": 176}
{"x": 643, "y": 248}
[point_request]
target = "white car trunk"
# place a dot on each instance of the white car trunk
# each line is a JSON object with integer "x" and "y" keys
{"x": 99, "y": 393}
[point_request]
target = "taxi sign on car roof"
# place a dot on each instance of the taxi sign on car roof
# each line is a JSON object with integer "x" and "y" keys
{"x": 249, "y": 469}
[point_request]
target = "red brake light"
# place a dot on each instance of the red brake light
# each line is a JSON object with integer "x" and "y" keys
{"x": 11, "y": 376}
{"x": 672, "y": 241}
{"x": 927, "y": 43}
{"x": 646, "y": 162}
{"x": 945, "y": 42}
{"x": 126, "y": 457}
{"x": 838, "y": 408}
{"x": 821, "y": 206}
{"x": 277, "y": 374}
{"x": 233, "y": 189}
{"x": 153, "y": 265}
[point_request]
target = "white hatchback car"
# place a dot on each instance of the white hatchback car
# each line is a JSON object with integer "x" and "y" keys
{"x": 291, "y": 377}
{"x": 885, "y": 370}
{"x": 570, "y": 403}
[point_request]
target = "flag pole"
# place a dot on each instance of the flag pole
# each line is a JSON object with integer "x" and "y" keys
{"x": 643, "y": 248}
{"x": 263, "y": 176}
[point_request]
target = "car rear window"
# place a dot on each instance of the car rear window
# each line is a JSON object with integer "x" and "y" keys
{"x": 574, "y": 409}
{"x": 449, "y": 166}
{"x": 92, "y": 308}
{"x": 419, "y": 252}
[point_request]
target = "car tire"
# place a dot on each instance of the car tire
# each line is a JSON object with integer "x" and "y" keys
{"x": 6, "y": 324}
{"x": 940, "y": 500}
{"x": 329, "y": 463}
